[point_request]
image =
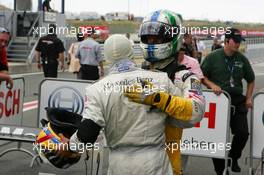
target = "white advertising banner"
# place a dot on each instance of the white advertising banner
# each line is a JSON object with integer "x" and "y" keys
{"x": 209, "y": 138}
{"x": 59, "y": 93}
{"x": 50, "y": 17}
{"x": 258, "y": 125}
{"x": 11, "y": 102}
{"x": 70, "y": 94}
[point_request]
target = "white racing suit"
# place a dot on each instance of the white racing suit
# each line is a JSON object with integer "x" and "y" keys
{"x": 134, "y": 132}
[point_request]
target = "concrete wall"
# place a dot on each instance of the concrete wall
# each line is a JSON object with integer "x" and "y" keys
{"x": 5, "y": 20}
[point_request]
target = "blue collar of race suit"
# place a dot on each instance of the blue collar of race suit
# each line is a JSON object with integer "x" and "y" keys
{"x": 123, "y": 65}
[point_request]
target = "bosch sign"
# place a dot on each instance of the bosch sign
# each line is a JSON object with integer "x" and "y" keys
{"x": 9, "y": 102}
{"x": 68, "y": 98}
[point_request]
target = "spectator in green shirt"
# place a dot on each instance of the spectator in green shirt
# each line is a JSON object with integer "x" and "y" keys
{"x": 224, "y": 69}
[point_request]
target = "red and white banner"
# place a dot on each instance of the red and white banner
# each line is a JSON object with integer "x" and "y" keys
{"x": 101, "y": 31}
{"x": 11, "y": 102}
{"x": 252, "y": 32}
{"x": 210, "y": 137}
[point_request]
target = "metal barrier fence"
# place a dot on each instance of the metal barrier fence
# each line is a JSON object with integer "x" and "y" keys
{"x": 256, "y": 131}
{"x": 255, "y": 51}
{"x": 255, "y": 40}
{"x": 254, "y": 47}
{"x": 69, "y": 94}
{"x": 11, "y": 118}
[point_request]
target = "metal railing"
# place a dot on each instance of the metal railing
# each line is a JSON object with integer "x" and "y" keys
{"x": 255, "y": 40}
{"x": 30, "y": 39}
{"x": 11, "y": 31}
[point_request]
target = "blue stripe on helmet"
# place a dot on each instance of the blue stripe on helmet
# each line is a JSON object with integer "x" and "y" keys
{"x": 155, "y": 16}
{"x": 150, "y": 50}
{"x": 54, "y": 139}
{"x": 151, "y": 57}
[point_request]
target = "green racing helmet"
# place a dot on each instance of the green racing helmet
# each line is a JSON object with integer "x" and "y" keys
{"x": 160, "y": 35}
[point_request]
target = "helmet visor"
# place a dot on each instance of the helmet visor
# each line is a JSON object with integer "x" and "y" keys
{"x": 157, "y": 33}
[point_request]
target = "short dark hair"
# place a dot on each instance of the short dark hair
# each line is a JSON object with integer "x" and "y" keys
{"x": 186, "y": 34}
{"x": 234, "y": 34}
{"x": 183, "y": 48}
{"x": 52, "y": 29}
{"x": 79, "y": 36}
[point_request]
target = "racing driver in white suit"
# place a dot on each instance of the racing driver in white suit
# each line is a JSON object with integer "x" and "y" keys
{"x": 134, "y": 132}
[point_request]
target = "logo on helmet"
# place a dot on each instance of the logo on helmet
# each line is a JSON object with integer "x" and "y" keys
{"x": 68, "y": 98}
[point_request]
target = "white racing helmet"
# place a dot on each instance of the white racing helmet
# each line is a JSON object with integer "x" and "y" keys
{"x": 160, "y": 35}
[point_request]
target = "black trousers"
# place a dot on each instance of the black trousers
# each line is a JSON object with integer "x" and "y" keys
{"x": 239, "y": 129}
{"x": 50, "y": 68}
{"x": 88, "y": 72}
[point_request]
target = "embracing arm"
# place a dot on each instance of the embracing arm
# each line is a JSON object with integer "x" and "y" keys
{"x": 209, "y": 84}
{"x": 87, "y": 133}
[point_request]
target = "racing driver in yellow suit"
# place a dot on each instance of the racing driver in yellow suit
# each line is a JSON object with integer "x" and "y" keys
{"x": 161, "y": 39}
